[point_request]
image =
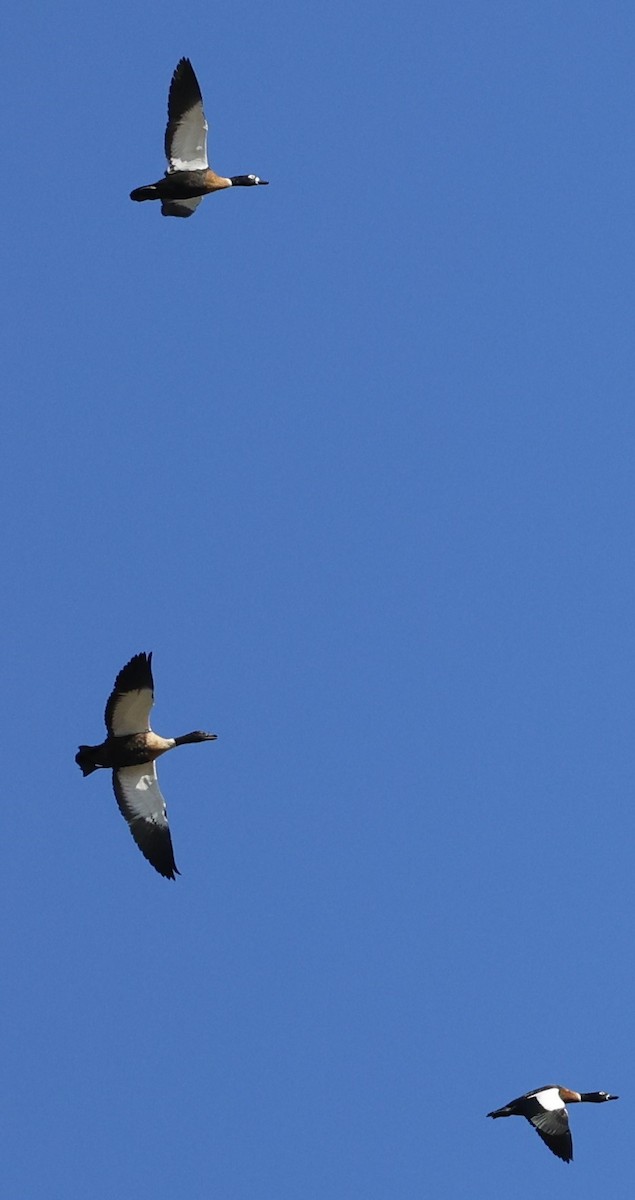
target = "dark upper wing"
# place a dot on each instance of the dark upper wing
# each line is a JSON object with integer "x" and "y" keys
{"x": 141, "y": 803}
{"x": 129, "y": 703}
{"x": 186, "y": 132}
{"x": 553, "y": 1128}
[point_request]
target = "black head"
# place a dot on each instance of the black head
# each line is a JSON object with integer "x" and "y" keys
{"x": 597, "y": 1097}
{"x": 198, "y": 735}
{"x": 248, "y": 180}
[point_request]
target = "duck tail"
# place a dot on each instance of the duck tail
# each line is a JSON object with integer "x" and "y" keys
{"x": 85, "y": 759}
{"x": 149, "y": 192}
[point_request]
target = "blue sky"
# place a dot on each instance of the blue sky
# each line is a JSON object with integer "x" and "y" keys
{"x": 353, "y": 455}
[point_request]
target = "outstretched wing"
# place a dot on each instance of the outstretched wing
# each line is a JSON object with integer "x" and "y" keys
{"x": 141, "y": 803}
{"x": 553, "y": 1128}
{"x": 186, "y": 132}
{"x": 129, "y": 703}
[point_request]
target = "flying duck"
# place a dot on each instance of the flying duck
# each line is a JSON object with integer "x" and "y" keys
{"x": 545, "y": 1109}
{"x": 130, "y": 750}
{"x": 189, "y": 176}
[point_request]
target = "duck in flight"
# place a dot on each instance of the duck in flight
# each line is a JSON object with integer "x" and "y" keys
{"x": 189, "y": 176}
{"x": 130, "y": 750}
{"x": 546, "y": 1110}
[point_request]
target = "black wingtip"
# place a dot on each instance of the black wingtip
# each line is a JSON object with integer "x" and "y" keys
{"x": 165, "y": 869}
{"x": 184, "y": 91}
{"x": 134, "y": 677}
{"x": 171, "y": 875}
{"x": 168, "y": 870}
{"x": 155, "y": 843}
{"x": 136, "y": 674}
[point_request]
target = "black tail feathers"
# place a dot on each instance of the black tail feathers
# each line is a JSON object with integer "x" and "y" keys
{"x": 145, "y": 193}
{"x": 85, "y": 759}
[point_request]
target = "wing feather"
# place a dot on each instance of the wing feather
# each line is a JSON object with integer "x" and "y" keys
{"x": 129, "y": 703}
{"x": 140, "y": 801}
{"x": 186, "y": 132}
{"x": 553, "y": 1128}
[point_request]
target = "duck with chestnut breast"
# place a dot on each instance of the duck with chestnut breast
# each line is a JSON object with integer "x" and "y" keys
{"x": 130, "y": 751}
{"x": 546, "y": 1110}
{"x": 189, "y": 176}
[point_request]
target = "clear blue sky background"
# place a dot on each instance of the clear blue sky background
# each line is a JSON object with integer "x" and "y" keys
{"x": 353, "y": 455}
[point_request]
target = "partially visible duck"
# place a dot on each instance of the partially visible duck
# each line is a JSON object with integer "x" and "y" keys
{"x": 189, "y": 176}
{"x": 130, "y": 750}
{"x": 546, "y": 1110}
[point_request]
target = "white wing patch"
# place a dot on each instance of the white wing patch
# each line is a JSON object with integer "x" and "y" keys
{"x": 550, "y": 1099}
{"x": 188, "y": 142}
{"x": 131, "y": 714}
{"x": 139, "y": 795}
